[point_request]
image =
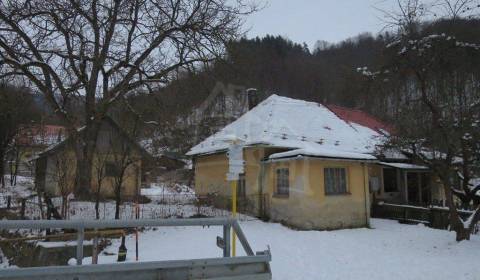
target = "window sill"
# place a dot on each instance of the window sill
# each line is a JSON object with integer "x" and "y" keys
{"x": 338, "y": 194}
{"x": 284, "y": 196}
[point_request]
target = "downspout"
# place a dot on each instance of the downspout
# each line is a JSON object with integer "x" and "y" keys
{"x": 365, "y": 185}
{"x": 261, "y": 175}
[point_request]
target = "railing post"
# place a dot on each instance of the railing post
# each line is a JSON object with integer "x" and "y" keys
{"x": 226, "y": 239}
{"x": 242, "y": 238}
{"x": 95, "y": 248}
{"x": 80, "y": 235}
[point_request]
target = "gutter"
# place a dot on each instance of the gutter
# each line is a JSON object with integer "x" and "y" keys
{"x": 300, "y": 157}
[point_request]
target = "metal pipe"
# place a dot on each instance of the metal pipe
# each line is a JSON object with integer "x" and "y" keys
{"x": 100, "y": 224}
{"x": 135, "y": 266}
{"x": 242, "y": 238}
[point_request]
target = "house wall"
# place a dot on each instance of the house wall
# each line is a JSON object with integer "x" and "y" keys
{"x": 66, "y": 159}
{"x": 210, "y": 174}
{"x": 211, "y": 170}
{"x": 308, "y": 207}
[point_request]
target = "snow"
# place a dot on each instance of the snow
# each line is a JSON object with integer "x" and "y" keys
{"x": 322, "y": 152}
{"x": 56, "y": 244}
{"x": 403, "y": 165}
{"x": 290, "y": 123}
{"x": 163, "y": 189}
{"x": 23, "y": 189}
{"x": 387, "y": 251}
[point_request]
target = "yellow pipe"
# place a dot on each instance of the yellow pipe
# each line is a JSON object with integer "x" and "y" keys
{"x": 234, "y": 214}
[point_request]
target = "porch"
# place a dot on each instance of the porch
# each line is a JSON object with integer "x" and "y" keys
{"x": 409, "y": 184}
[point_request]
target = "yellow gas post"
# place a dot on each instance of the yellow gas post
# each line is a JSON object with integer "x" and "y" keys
{"x": 234, "y": 215}
{"x": 235, "y": 167}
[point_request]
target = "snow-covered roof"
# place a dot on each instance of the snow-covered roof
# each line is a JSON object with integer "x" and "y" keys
{"x": 322, "y": 152}
{"x": 291, "y": 123}
{"x": 404, "y": 165}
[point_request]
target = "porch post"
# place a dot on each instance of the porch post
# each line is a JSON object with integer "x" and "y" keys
{"x": 406, "y": 185}
{"x": 419, "y": 183}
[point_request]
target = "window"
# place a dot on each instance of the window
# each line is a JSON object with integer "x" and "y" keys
{"x": 374, "y": 184}
{"x": 282, "y": 181}
{"x": 111, "y": 169}
{"x": 335, "y": 180}
{"x": 241, "y": 191}
{"x": 390, "y": 180}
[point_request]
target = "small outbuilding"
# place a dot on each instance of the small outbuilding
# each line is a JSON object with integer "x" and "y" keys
{"x": 116, "y": 155}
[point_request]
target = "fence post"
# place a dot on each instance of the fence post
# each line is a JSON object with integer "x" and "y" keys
{"x": 9, "y": 201}
{"x": 226, "y": 239}
{"x": 22, "y": 209}
{"x": 80, "y": 235}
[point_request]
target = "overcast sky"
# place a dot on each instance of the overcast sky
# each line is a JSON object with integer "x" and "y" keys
{"x": 312, "y": 20}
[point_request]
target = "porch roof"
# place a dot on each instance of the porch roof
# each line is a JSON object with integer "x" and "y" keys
{"x": 402, "y": 165}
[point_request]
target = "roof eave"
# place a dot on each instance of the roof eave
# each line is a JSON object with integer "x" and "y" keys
{"x": 294, "y": 157}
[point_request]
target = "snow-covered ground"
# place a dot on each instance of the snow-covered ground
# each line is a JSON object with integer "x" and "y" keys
{"x": 387, "y": 251}
{"x": 23, "y": 188}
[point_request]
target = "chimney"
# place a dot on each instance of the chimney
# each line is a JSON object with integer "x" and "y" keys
{"x": 252, "y": 98}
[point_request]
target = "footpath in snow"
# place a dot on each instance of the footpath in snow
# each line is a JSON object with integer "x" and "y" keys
{"x": 387, "y": 251}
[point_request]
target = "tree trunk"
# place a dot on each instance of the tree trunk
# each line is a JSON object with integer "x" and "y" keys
{"x": 83, "y": 175}
{"x": 2, "y": 167}
{"x": 97, "y": 206}
{"x": 456, "y": 223}
{"x": 17, "y": 164}
{"x": 462, "y": 234}
{"x": 117, "y": 203}
{"x": 84, "y": 150}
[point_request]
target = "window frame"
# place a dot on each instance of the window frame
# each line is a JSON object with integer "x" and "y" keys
{"x": 346, "y": 191}
{"x": 282, "y": 191}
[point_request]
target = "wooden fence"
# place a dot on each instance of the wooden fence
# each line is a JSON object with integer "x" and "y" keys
{"x": 432, "y": 216}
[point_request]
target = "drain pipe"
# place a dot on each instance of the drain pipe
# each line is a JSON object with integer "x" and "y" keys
{"x": 365, "y": 185}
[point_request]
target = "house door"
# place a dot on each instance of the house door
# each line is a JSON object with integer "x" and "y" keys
{"x": 426, "y": 190}
{"x": 412, "y": 184}
{"x": 418, "y": 188}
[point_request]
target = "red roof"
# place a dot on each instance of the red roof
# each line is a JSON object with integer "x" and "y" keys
{"x": 41, "y": 135}
{"x": 361, "y": 118}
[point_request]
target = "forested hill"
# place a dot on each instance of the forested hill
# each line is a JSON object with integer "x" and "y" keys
{"x": 327, "y": 74}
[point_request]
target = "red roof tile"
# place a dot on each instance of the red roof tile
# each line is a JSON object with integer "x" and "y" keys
{"x": 361, "y": 118}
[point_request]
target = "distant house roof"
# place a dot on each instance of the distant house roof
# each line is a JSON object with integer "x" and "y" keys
{"x": 296, "y": 124}
{"x": 43, "y": 135}
{"x": 361, "y": 118}
{"x": 55, "y": 147}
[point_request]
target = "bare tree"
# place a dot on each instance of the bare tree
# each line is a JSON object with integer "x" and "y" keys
{"x": 94, "y": 52}
{"x": 99, "y": 165}
{"x": 62, "y": 175}
{"x": 454, "y": 9}
{"x": 16, "y": 111}
{"x": 440, "y": 112}
{"x": 125, "y": 155}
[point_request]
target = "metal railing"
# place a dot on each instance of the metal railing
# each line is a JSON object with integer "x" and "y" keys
{"x": 81, "y": 225}
{"x": 228, "y": 225}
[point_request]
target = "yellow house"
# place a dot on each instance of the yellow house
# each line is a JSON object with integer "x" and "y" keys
{"x": 115, "y": 152}
{"x": 304, "y": 165}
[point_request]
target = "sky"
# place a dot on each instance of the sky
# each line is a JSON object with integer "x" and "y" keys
{"x": 311, "y": 20}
